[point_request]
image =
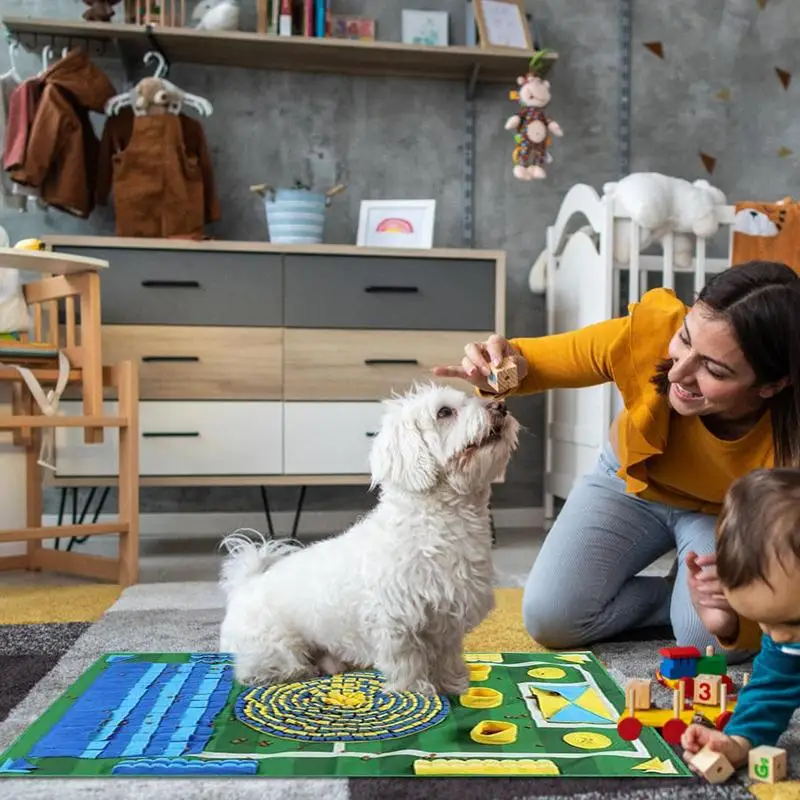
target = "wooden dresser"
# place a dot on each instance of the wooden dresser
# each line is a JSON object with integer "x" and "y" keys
{"x": 264, "y": 364}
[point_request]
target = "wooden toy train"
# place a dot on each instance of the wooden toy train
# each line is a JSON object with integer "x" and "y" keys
{"x": 702, "y": 690}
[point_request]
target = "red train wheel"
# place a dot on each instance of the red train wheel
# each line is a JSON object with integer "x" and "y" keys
{"x": 673, "y": 730}
{"x": 723, "y": 719}
{"x": 629, "y": 728}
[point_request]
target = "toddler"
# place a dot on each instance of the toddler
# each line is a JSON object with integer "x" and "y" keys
{"x": 758, "y": 566}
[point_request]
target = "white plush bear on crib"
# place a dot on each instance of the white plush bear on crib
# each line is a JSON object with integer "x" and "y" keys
{"x": 660, "y": 204}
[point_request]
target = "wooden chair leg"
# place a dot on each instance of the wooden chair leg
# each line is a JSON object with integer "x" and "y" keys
{"x": 33, "y": 494}
{"x": 21, "y": 405}
{"x": 92, "y": 354}
{"x": 126, "y": 379}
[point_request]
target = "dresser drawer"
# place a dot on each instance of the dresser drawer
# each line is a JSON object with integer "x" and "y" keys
{"x": 335, "y": 364}
{"x": 189, "y": 363}
{"x": 224, "y": 438}
{"x": 174, "y": 287}
{"x": 329, "y": 438}
{"x": 389, "y": 293}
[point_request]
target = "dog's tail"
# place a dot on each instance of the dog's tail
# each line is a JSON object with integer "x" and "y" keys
{"x": 247, "y": 558}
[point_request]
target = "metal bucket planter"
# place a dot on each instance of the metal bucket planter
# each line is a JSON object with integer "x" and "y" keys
{"x": 295, "y": 216}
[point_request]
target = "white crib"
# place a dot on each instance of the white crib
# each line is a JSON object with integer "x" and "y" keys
{"x": 583, "y": 287}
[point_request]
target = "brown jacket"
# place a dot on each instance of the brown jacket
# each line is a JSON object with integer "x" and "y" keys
{"x": 159, "y": 171}
{"x": 62, "y": 148}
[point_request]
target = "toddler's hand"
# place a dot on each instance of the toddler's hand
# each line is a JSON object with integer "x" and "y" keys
{"x": 696, "y": 737}
{"x": 708, "y": 598}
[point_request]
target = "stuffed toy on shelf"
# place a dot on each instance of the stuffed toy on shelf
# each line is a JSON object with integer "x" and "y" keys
{"x": 533, "y": 127}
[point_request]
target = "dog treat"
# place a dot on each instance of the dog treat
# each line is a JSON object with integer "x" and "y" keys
{"x": 503, "y": 378}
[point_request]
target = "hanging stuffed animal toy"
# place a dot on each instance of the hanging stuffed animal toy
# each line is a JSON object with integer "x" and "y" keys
{"x": 533, "y": 127}
{"x": 156, "y": 96}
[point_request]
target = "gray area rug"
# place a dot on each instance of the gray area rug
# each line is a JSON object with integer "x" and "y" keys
{"x": 186, "y": 617}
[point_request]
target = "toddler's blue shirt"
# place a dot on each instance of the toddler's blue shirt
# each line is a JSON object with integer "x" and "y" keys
{"x": 767, "y": 703}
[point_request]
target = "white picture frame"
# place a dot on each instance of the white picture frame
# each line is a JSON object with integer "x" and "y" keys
{"x": 429, "y": 28}
{"x": 502, "y": 25}
{"x": 399, "y": 224}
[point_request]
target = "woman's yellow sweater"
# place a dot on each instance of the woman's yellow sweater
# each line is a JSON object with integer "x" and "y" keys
{"x": 663, "y": 457}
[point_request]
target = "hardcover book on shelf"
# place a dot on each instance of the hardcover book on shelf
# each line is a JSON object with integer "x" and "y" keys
{"x": 321, "y": 19}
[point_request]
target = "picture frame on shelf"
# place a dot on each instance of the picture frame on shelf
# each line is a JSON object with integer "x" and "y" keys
{"x": 401, "y": 224}
{"x": 430, "y": 28}
{"x": 503, "y": 24}
{"x": 349, "y": 27}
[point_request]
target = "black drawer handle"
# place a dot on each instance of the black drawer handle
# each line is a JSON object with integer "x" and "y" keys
{"x": 171, "y": 284}
{"x": 391, "y": 289}
{"x": 372, "y": 434}
{"x": 170, "y": 359}
{"x": 168, "y": 434}
{"x": 371, "y": 362}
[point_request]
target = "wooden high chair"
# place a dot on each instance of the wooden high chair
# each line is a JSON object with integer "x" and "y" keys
{"x": 69, "y": 293}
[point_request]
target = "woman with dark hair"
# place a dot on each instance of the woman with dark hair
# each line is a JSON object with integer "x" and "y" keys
{"x": 710, "y": 392}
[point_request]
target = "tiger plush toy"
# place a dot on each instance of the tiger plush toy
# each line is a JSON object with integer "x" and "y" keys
{"x": 767, "y": 232}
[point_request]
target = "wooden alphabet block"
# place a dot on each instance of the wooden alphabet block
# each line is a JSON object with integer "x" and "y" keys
{"x": 503, "y": 377}
{"x": 714, "y": 767}
{"x": 641, "y": 693}
{"x": 767, "y": 764}
{"x": 706, "y": 689}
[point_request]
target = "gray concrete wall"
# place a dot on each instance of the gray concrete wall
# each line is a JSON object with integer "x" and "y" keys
{"x": 401, "y": 138}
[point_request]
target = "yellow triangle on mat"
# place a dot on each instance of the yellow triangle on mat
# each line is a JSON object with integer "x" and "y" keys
{"x": 30, "y": 605}
{"x": 574, "y": 658}
{"x": 550, "y": 703}
{"x": 657, "y": 765}
{"x": 590, "y": 701}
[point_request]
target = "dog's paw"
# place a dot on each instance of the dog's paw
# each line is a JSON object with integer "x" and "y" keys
{"x": 419, "y": 686}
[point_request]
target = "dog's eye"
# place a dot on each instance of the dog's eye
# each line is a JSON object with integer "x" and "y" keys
{"x": 444, "y": 412}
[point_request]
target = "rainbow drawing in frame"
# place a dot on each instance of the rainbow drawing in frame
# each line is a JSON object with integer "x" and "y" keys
{"x": 396, "y": 223}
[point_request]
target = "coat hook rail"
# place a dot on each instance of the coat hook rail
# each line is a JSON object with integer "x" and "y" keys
{"x": 35, "y": 42}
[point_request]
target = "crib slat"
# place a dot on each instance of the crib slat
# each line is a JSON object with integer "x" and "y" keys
{"x": 668, "y": 276}
{"x": 633, "y": 271}
{"x": 700, "y": 265}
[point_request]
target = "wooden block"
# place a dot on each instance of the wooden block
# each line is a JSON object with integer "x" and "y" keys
{"x": 714, "y": 767}
{"x": 504, "y": 377}
{"x": 767, "y": 764}
{"x": 641, "y": 693}
{"x": 706, "y": 689}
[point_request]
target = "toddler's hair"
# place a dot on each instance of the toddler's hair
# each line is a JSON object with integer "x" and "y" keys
{"x": 760, "y": 520}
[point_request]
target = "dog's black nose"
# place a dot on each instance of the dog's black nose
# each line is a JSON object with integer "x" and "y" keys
{"x": 498, "y": 407}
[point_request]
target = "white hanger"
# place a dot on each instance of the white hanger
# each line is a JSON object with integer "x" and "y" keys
{"x": 12, "y": 70}
{"x": 161, "y": 69}
{"x": 128, "y": 98}
{"x": 47, "y": 54}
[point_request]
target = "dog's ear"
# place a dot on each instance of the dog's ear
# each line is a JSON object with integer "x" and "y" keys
{"x": 399, "y": 455}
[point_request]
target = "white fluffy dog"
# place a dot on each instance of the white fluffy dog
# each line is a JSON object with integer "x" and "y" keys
{"x": 397, "y": 591}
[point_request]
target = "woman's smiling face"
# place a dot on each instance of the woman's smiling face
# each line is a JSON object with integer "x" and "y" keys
{"x": 710, "y": 374}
